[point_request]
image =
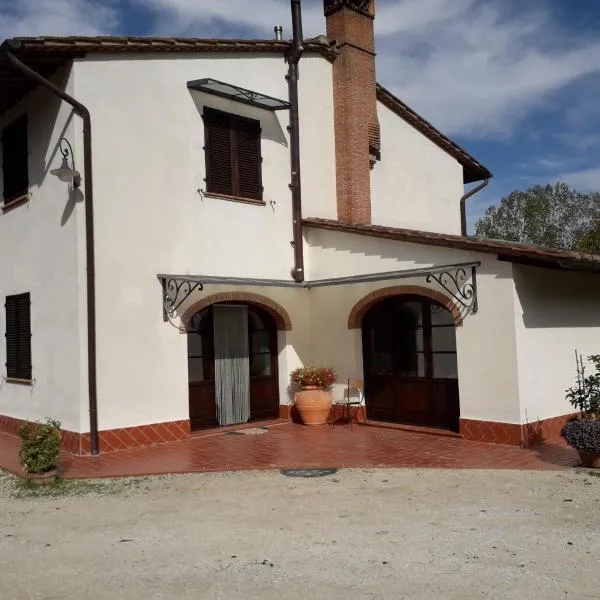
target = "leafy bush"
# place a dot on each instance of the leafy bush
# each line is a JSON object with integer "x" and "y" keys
{"x": 585, "y": 397}
{"x": 40, "y": 445}
{"x": 583, "y": 434}
{"x": 321, "y": 377}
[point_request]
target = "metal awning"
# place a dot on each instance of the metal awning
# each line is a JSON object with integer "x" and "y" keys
{"x": 238, "y": 94}
{"x": 458, "y": 280}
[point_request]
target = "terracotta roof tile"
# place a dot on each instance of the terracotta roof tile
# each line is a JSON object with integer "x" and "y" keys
{"x": 80, "y": 44}
{"x": 46, "y": 54}
{"x": 510, "y": 251}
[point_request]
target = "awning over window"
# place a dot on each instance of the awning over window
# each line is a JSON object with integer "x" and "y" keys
{"x": 458, "y": 281}
{"x": 238, "y": 94}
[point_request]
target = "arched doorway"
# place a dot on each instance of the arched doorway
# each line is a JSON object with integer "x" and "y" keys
{"x": 410, "y": 366}
{"x": 232, "y": 366}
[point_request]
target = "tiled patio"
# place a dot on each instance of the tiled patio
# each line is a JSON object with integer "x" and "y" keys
{"x": 291, "y": 445}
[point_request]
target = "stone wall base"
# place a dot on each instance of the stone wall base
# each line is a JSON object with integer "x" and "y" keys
{"x": 528, "y": 434}
{"x": 113, "y": 439}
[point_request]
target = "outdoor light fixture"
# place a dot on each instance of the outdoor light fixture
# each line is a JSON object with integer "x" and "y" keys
{"x": 67, "y": 173}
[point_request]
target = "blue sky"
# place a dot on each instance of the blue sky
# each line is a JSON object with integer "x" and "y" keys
{"x": 515, "y": 82}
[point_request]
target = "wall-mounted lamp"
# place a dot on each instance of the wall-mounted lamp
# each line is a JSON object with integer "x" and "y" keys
{"x": 67, "y": 173}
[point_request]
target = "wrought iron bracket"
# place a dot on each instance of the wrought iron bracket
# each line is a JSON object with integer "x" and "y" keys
{"x": 461, "y": 285}
{"x": 174, "y": 293}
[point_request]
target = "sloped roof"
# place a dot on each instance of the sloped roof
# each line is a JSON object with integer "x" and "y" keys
{"x": 473, "y": 169}
{"x": 48, "y": 54}
{"x": 509, "y": 251}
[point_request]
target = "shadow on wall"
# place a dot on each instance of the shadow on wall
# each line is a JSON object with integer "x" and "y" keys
{"x": 416, "y": 255}
{"x": 551, "y": 298}
{"x": 269, "y": 121}
{"x": 43, "y": 109}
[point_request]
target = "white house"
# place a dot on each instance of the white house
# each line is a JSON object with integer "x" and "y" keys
{"x": 129, "y": 289}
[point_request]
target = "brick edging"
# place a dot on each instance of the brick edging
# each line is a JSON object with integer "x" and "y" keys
{"x": 514, "y": 434}
{"x": 279, "y": 314}
{"x": 362, "y": 306}
{"x": 112, "y": 439}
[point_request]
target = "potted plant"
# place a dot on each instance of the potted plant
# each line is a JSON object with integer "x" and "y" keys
{"x": 39, "y": 450}
{"x": 313, "y": 401}
{"x": 583, "y": 431}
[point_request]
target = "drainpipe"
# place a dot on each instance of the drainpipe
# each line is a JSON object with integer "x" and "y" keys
{"x": 84, "y": 113}
{"x": 293, "y": 58}
{"x": 463, "y": 207}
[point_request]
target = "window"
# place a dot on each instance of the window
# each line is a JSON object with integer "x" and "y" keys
{"x": 260, "y": 345}
{"x": 233, "y": 155}
{"x": 14, "y": 160}
{"x": 411, "y": 338}
{"x": 18, "y": 337}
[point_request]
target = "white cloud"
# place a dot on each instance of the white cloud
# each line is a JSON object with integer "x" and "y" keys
{"x": 481, "y": 70}
{"x": 475, "y": 68}
{"x": 56, "y": 17}
{"x": 207, "y": 17}
{"x": 586, "y": 180}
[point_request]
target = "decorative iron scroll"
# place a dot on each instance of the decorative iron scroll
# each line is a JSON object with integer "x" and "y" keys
{"x": 175, "y": 293}
{"x": 461, "y": 287}
{"x": 360, "y": 6}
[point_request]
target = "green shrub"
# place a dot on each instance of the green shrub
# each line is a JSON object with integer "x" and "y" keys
{"x": 585, "y": 396}
{"x": 40, "y": 445}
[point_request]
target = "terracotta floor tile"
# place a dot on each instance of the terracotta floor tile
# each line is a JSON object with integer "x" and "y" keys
{"x": 293, "y": 445}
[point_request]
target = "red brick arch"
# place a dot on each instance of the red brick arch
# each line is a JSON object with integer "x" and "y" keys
{"x": 279, "y": 314}
{"x": 362, "y": 306}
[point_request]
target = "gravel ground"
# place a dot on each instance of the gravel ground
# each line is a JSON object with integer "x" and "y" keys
{"x": 400, "y": 534}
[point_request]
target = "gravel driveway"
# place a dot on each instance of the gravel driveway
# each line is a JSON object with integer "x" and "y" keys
{"x": 402, "y": 534}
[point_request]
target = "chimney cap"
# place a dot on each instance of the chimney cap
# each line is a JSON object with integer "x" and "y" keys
{"x": 278, "y": 29}
{"x": 364, "y": 7}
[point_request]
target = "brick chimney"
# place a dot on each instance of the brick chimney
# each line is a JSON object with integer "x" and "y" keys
{"x": 357, "y": 138}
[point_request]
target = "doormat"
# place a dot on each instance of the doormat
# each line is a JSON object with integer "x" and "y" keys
{"x": 251, "y": 431}
{"x": 308, "y": 472}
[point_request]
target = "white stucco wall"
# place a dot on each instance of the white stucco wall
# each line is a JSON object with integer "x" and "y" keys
{"x": 486, "y": 343}
{"x": 556, "y": 313}
{"x": 416, "y": 185}
{"x": 40, "y": 246}
{"x": 150, "y": 218}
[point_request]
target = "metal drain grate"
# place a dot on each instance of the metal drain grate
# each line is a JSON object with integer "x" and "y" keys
{"x": 308, "y": 472}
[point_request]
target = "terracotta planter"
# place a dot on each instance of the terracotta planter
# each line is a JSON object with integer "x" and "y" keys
{"x": 313, "y": 405}
{"x": 46, "y": 478}
{"x": 591, "y": 461}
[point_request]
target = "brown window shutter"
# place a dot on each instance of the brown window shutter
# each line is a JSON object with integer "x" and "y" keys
{"x": 249, "y": 160}
{"x": 217, "y": 152}
{"x": 15, "y": 171}
{"x": 18, "y": 336}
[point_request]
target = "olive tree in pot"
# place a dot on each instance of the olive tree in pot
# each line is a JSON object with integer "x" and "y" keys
{"x": 583, "y": 432}
{"x": 313, "y": 401}
{"x": 39, "y": 450}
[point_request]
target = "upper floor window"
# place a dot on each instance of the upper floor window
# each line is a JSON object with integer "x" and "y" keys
{"x": 15, "y": 173}
{"x": 18, "y": 337}
{"x": 233, "y": 155}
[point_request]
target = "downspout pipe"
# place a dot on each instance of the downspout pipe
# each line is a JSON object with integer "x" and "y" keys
{"x": 293, "y": 58}
{"x": 463, "y": 205}
{"x": 84, "y": 113}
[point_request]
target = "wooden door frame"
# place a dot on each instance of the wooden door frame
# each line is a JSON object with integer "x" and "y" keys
{"x": 208, "y": 350}
{"x": 397, "y": 380}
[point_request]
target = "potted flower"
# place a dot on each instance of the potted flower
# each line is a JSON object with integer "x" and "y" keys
{"x": 583, "y": 431}
{"x": 39, "y": 450}
{"x": 313, "y": 400}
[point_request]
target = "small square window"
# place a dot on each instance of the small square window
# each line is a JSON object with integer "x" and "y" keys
{"x": 15, "y": 172}
{"x": 18, "y": 336}
{"x": 233, "y": 155}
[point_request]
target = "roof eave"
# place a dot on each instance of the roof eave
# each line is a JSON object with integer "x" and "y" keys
{"x": 532, "y": 255}
{"x": 473, "y": 170}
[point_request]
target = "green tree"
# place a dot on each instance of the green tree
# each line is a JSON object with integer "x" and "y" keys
{"x": 554, "y": 216}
